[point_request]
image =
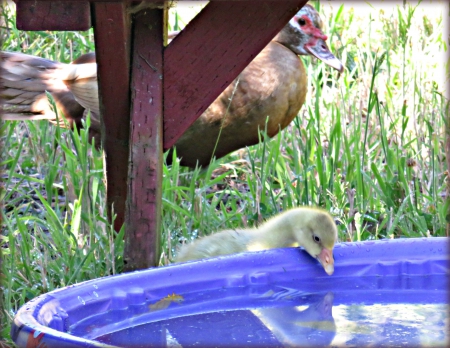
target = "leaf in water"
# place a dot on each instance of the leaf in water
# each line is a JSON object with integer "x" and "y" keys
{"x": 165, "y": 302}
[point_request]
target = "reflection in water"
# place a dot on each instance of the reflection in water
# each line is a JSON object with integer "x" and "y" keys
{"x": 276, "y": 326}
{"x": 296, "y": 326}
{"x": 277, "y": 316}
{"x": 285, "y": 317}
{"x": 392, "y": 325}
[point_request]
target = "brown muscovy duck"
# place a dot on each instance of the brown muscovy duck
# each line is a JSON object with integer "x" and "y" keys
{"x": 272, "y": 87}
{"x": 311, "y": 228}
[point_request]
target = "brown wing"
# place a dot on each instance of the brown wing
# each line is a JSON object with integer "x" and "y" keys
{"x": 24, "y": 81}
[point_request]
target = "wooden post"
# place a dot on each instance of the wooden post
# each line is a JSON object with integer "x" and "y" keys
{"x": 112, "y": 46}
{"x": 143, "y": 219}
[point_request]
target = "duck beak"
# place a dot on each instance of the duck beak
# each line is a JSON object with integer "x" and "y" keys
{"x": 319, "y": 49}
{"x": 326, "y": 259}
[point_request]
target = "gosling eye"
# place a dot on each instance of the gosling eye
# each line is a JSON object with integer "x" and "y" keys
{"x": 316, "y": 238}
{"x": 302, "y": 22}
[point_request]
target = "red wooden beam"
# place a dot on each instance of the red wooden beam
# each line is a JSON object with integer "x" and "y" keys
{"x": 143, "y": 220}
{"x": 53, "y": 15}
{"x": 211, "y": 51}
{"x": 112, "y": 46}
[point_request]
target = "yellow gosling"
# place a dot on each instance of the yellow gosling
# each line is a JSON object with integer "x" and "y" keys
{"x": 311, "y": 228}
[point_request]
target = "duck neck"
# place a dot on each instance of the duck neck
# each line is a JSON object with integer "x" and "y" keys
{"x": 275, "y": 233}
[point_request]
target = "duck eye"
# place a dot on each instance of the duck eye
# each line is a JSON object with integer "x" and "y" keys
{"x": 316, "y": 239}
{"x": 302, "y": 22}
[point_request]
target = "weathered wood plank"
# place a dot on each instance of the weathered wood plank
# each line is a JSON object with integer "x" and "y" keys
{"x": 211, "y": 51}
{"x": 112, "y": 46}
{"x": 143, "y": 220}
{"x": 53, "y": 15}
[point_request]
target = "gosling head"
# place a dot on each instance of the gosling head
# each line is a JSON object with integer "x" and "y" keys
{"x": 315, "y": 230}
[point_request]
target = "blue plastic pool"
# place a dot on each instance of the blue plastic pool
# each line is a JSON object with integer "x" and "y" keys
{"x": 383, "y": 293}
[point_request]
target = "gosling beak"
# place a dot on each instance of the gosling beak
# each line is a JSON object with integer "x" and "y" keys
{"x": 326, "y": 259}
{"x": 319, "y": 49}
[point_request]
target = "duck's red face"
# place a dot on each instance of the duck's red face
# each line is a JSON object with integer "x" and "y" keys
{"x": 303, "y": 35}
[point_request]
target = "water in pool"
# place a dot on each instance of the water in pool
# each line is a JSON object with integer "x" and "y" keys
{"x": 283, "y": 315}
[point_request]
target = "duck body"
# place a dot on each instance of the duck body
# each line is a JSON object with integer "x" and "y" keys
{"x": 240, "y": 112}
{"x": 313, "y": 229}
{"x": 272, "y": 89}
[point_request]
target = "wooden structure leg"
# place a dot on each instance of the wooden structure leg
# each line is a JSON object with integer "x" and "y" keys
{"x": 143, "y": 219}
{"x": 112, "y": 46}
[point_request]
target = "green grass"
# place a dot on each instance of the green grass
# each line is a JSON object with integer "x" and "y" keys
{"x": 368, "y": 146}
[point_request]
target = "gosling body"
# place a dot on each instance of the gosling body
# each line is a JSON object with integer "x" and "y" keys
{"x": 311, "y": 228}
